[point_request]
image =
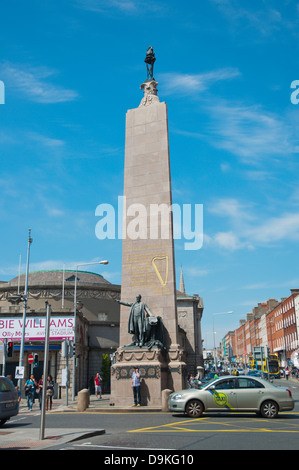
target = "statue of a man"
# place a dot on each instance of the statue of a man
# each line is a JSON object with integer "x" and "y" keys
{"x": 137, "y": 319}
{"x": 150, "y": 60}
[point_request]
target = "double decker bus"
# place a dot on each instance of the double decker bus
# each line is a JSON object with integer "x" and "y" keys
{"x": 252, "y": 363}
{"x": 259, "y": 362}
{"x": 273, "y": 363}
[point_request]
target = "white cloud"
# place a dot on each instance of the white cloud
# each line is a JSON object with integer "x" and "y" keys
{"x": 195, "y": 272}
{"x": 250, "y": 230}
{"x": 44, "y": 140}
{"x": 194, "y": 83}
{"x": 284, "y": 227}
{"x": 265, "y": 20}
{"x": 101, "y": 6}
{"x": 250, "y": 132}
{"x": 122, "y": 6}
{"x": 230, "y": 207}
{"x": 227, "y": 240}
{"x": 54, "y": 212}
{"x": 33, "y": 83}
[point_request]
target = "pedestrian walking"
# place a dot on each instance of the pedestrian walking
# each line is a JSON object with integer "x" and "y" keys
{"x": 39, "y": 391}
{"x": 49, "y": 392}
{"x": 19, "y": 394}
{"x": 191, "y": 383}
{"x": 30, "y": 387}
{"x": 98, "y": 386}
{"x": 136, "y": 386}
{"x": 287, "y": 373}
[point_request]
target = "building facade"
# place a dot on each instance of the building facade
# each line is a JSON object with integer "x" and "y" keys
{"x": 273, "y": 324}
{"x": 96, "y": 324}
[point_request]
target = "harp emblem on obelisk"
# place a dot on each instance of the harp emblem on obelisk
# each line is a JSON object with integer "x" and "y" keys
{"x": 160, "y": 265}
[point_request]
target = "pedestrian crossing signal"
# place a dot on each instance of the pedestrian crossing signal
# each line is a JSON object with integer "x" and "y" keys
{"x": 35, "y": 360}
{"x": 9, "y": 349}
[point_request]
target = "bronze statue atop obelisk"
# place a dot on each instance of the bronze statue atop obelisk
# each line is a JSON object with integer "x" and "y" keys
{"x": 150, "y": 59}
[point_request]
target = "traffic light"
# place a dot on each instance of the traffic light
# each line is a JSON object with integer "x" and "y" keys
{"x": 35, "y": 361}
{"x": 72, "y": 349}
{"x": 64, "y": 349}
{"x": 9, "y": 349}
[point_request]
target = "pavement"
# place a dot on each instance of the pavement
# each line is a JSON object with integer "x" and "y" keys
{"x": 16, "y": 437}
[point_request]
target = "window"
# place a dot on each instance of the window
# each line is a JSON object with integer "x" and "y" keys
{"x": 5, "y": 387}
{"x": 249, "y": 383}
{"x": 225, "y": 384}
{"x": 102, "y": 316}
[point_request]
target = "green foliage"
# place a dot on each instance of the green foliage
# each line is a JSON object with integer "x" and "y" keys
{"x": 105, "y": 369}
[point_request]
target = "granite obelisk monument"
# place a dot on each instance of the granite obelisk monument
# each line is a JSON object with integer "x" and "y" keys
{"x": 148, "y": 316}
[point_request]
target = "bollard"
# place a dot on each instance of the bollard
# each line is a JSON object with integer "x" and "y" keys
{"x": 201, "y": 372}
{"x": 165, "y": 396}
{"x": 83, "y": 399}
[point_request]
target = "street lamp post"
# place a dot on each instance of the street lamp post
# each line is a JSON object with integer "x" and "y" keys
{"x": 75, "y": 312}
{"x": 214, "y": 333}
{"x": 24, "y": 297}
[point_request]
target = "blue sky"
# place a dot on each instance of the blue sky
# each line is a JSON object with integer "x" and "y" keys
{"x": 72, "y": 69}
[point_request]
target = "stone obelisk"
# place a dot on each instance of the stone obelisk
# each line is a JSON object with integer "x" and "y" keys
{"x": 148, "y": 252}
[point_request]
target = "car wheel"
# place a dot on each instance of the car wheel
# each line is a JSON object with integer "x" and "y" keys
{"x": 269, "y": 409}
{"x": 194, "y": 409}
{"x": 2, "y": 421}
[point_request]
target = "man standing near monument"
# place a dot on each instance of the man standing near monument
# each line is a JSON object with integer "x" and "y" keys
{"x": 98, "y": 385}
{"x": 137, "y": 323}
{"x": 136, "y": 386}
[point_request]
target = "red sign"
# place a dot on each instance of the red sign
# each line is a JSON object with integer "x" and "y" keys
{"x": 30, "y": 358}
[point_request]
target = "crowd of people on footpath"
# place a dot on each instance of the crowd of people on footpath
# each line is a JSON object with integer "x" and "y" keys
{"x": 295, "y": 372}
{"x": 193, "y": 381}
{"x": 34, "y": 389}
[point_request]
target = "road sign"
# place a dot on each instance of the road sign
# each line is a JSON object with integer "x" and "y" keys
{"x": 30, "y": 358}
{"x": 19, "y": 372}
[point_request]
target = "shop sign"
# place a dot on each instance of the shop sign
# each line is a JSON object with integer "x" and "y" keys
{"x": 61, "y": 328}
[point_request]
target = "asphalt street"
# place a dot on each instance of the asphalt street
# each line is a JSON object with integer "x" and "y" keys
{"x": 154, "y": 432}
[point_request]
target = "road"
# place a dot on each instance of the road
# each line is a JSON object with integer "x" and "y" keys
{"x": 164, "y": 432}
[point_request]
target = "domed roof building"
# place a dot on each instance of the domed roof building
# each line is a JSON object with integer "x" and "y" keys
{"x": 96, "y": 324}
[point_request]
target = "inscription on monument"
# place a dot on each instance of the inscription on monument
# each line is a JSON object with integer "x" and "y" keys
{"x": 148, "y": 270}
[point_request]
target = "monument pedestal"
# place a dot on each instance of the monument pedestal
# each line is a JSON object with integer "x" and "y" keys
{"x": 158, "y": 372}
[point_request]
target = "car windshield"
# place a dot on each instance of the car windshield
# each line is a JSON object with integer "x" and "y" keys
{"x": 207, "y": 383}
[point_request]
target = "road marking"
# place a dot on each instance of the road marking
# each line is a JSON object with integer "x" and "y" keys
{"x": 168, "y": 425}
{"x": 177, "y": 427}
{"x": 220, "y": 430}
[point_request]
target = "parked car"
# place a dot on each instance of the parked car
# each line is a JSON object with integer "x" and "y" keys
{"x": 9, "y": 404}
{"x": 233, "y": 393}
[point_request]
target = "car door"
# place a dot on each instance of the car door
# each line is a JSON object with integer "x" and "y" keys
{"x": 222, "y": 395}
{"x": 249, "y": 392}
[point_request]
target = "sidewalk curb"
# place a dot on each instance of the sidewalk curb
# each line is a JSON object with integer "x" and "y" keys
{"x": 86, "y": 435}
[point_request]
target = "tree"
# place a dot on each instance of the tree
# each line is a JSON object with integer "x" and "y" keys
{"x": 105, "y": 370}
